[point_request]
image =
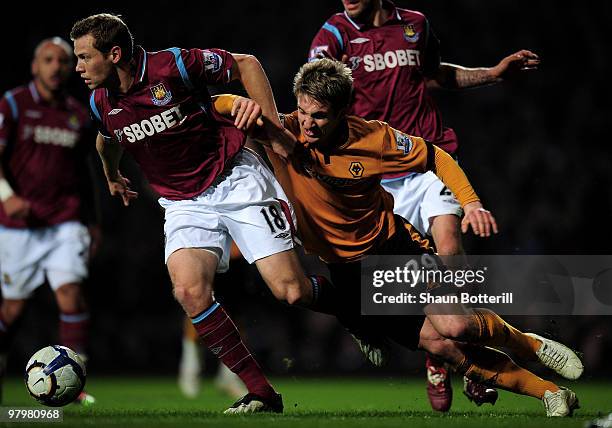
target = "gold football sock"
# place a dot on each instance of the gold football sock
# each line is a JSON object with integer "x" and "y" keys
{"x": 492, "y": 367}
{"x": 495, "y": 332}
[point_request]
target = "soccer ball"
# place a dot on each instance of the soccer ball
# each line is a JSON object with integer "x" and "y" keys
{"x": 55, "y": 376}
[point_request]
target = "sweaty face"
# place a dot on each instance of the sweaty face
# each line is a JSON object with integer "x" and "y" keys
{"x": 51, "y": 66}
{"x": 358, "y": 8}
{"x": 317, "y": 120}
{"x": 94, "y": 66}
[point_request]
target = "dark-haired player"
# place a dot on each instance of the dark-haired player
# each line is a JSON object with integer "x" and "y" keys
{"x": 156, "y": 106}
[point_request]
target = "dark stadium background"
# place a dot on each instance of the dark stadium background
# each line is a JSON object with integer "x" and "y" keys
{"x": 536, "y": 149}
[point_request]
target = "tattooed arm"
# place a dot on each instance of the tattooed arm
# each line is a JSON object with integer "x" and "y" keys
{"x": 451, "y": 76}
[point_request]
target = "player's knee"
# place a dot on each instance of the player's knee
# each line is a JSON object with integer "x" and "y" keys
{"x": 434, "y": 347}
{"x": 288, "y": 290}
{"x": 446, "y": 234}
{"x": 191, "y": 292}
{"x": 70, "y": 298}
{"x": 449, "y": 247}
{"x": 454, "y": 328}
{"x": 68, "y": 292}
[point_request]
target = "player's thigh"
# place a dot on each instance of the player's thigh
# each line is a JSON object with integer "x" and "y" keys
{"x": 256, "y": 211}
{"x": 408, "y": 194}
{"x": 67, "y": 263}
{"x": 285, "y": 277}
{"x": 21, "y": 255}
{"x": 195, "y": 224}
{"x": 439, "y": 201}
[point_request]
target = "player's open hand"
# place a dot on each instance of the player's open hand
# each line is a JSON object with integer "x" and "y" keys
{"x": 481, "y": 220}
{"x": 16, "y": 207}
{"x": 120, "y": 186}
{"x": 516, "y": 63}
{"x": 246, "y": 113}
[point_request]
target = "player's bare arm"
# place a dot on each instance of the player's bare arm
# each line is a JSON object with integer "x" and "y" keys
{"x": 14, "y": 206}
{"x": 247, "y": 113}
{"x": 452, "y": 76}
{"x": 249, "y": 71}
{"x": 110, "y": 154}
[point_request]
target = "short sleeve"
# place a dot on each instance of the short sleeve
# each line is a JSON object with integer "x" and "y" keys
{"x": 328, "y": 39}
{"x": 207, "y": 66}
{"x": 96, "y": 118}
{"x": 8, "y": 118}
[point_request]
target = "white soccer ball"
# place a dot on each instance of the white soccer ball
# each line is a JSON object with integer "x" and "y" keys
{"x": 55, "y": 375}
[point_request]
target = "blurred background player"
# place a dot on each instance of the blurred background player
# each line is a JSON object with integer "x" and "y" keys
{"x": 43, "y": 173}
{"x": 394, "y": 56}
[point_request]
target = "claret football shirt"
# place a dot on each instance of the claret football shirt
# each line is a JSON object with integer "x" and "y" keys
{"x": 390, "y": 64}
{"x": 167, "y": 122}
{"x": 45, "y": 149}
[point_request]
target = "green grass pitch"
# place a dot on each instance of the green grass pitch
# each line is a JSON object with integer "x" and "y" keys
{"x": 330, "y": 402}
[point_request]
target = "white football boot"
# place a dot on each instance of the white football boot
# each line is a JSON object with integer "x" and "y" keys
{"x": 560, "y": 403}
{"x": 558, "y": 357}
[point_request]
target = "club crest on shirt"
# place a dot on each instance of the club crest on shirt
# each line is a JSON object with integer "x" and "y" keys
{"x": 403, "y": 142}
{"x": 410, "y": 34}
{"x": 161, "y": 96}
{"x": 6, "y": 279}
{"x": 73, "y": 122}
{"x": 356, "y": 169}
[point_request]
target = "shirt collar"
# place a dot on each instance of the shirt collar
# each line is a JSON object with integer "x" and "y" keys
{"x": 140, "y": 56}
{"x": 59, "y": 101}
{"x": 394, "y": 15}
{"x": 140, "y": 59}
{"x": 34, "y": 92}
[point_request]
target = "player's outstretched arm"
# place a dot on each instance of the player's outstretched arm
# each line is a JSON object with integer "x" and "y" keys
{"x": 250, "y": 72}
{"x": 247, "y": 113}
{"x": 452, "y": 76}
{"x": 110, "y": 154}
{"x": 14, "y": 206}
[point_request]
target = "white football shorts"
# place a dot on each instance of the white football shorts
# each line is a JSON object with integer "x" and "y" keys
{"x": 245, "y": 204}
{"x": 59, "y": 253}
{"x": 421, "y": 197}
